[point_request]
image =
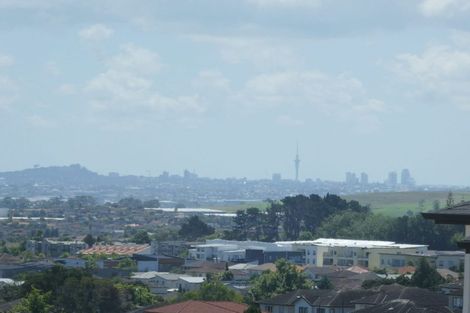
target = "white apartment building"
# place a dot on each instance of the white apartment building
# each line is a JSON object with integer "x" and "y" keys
{"x": 221, "y": 250}
{"x": 320, "y": 252}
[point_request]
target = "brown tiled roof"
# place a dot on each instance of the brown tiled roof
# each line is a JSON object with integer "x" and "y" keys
{"x": 201, "y": 307}
{"x": 406, "y": 270}
{"x": 115, "y": 249}
{"x": 9, "y": 259}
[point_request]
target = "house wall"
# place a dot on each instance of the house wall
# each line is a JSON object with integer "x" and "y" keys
{"x": 276, "y": 308}
{"x": 300, "y": 304}
{"x": 147, "y": 266}
{"x": 448, "y": 261}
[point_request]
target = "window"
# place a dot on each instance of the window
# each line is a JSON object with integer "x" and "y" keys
{"x": 303, "y": 309}
{"x": 268, "y": 308}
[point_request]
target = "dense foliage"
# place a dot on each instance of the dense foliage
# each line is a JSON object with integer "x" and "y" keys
{"x": 194, "y": 228}
{"x": 71, "y": 290}
{"x": 293, "y": 215}
{"x": 286, "y": 278}
{"x": 307, "y": 218}
{"x": 404, "y": 229}
{"x": 213, "y": 290}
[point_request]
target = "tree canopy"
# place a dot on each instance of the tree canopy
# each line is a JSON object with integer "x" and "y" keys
{"x": 194, "y": 228}
{"x": 286, "y": 278}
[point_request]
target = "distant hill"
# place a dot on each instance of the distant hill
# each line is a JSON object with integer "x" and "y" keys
{"x": 72, "y": 175}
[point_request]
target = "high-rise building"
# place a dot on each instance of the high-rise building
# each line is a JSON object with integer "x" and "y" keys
{"x": 276, "y": 177}
{"x": 297, "y": 164}
{"x": 406, "y": 179}
{"x": 351, "y": 179}
{"x": 392, "y": 179}
{"x": 364, "y": 178}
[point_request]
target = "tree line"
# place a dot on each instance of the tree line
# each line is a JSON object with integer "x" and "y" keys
{"x": 308, "y": 217}
{"x": 73, "y": 290}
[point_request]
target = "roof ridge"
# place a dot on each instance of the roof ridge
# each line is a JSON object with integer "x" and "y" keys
{"x": 185, "y": 306}
{"x": 337, "y": 293}
{"x": 214, "y": 303}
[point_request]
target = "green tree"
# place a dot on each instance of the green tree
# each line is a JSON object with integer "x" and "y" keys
{"x": 194, "y": 228}
{"x": 253, "y": 308}
{"x": 214, "y": 290}
{"x": 154, "y": 203}
{"x": 324, "y": 283}
{"x": 450, "y": 199}
{"x": 89, "y": 240}
{"x": 130, "y": 203}
{"x": 141, "y": 237}
{"x": 426, "y": 276}
{"x": 286, "y": 278}
{"x": 35, "y": 302}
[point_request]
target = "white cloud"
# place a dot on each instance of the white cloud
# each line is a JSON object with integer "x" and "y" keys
{"x": 446, "y": 8}
{"x": 442, "y": 72}
{"x": 97, "y": 32}
{"x": 8, "y": 92}
{"x": 67, "y": 89}
{"x": 311, "y": 92}
{"x": 125, "y": 90}
{"x": 40, "y": 121}
{"x": 259, "y": 52}
{"x": 324, "y": 92}
{"x": 135, "y": 59}
{"x": 6, "y": 60}
{"x": 285, "y": 3}
{"x": 287, "y": 120}
{"x": 30, "y": 4}
{"x": 211, "y": 80}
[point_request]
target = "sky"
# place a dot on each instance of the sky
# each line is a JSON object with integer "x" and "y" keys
{"x": 229, "y": 88}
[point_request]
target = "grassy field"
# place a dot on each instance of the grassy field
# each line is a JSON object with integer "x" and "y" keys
{"x": 387, "y": 203}
{"x": 399, "y": 203}
{"x": 232, "y": 208}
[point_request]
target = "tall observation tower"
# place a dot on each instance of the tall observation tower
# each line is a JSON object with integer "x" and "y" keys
{"x": 297, "y": 163}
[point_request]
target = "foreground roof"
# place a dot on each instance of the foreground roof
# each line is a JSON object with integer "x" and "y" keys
{"x": 405, "y": 306}
{"x": 310, "y": 295}
{"x": 201, "y": 307}
{"x": 419, "y": 296}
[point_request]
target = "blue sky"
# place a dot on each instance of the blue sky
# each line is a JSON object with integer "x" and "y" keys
{"x": 227, "y": 88}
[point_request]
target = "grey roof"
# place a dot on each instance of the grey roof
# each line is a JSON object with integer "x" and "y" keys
{"x": 403, "y": 306}
{"x": 457, "y": 214}
{"x": 324, "y": 298}
{"x": 310, "y": 295}
{"x": 342, "y": 298}
{"x": 420, "y": 297}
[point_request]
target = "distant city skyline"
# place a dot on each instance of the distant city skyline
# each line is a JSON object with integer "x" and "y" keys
{"x": 227, "y": 88}
{"x": 391, "y": 177}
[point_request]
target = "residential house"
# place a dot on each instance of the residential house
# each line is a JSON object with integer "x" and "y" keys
{"x": 55, "y": 248}
{"x": 314, "y": 301}
{"x": 164, "y": 283}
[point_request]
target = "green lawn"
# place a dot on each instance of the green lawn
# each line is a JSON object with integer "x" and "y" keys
{"x": 399, "y": 203}
{"x": 262, "y": 205}
{"x": 387, "y": 203}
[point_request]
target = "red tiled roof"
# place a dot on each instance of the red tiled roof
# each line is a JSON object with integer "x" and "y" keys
{"x": 201, "y": 307}
{"x": 117, "y": 249}
{"x": 406, "y": 270}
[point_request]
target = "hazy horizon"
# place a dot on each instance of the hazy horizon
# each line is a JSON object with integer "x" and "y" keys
{"x": 228, "y": 88}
